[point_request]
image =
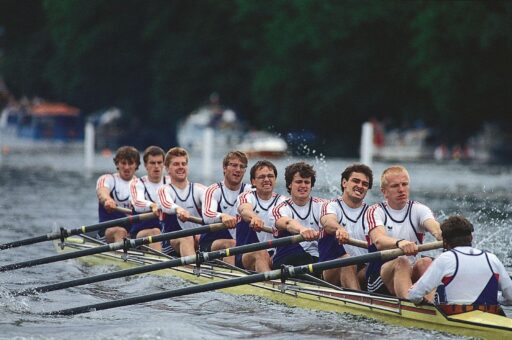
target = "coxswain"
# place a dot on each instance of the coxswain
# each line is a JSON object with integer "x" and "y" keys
{"x": 465, "y": 278}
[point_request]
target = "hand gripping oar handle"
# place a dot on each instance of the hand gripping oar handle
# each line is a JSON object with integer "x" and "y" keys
{"x": 271, "y": 275}
{"x": 379, "y": 255}
{"x": 63, "y": 233}
{"x": 124, "y": 245}
{"x": 192, "y": 259}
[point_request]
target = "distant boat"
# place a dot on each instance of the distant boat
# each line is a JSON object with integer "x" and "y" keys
{"x": 227, "y": 133}
{"x": 402, "y": 145}
{"x": 40, "y": 125}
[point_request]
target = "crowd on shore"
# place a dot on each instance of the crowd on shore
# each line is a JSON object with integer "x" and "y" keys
{"x": 462, "y": 278}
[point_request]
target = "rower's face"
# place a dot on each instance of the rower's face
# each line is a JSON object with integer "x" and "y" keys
{"x": 178, "y": 169}
{"x": 300, "y": 187}
{"x": 154, "y": 167}
{"x": 126, "y": 169}
{"x": 396, "y": 191}
{"x": 264, "y": 180}
{"x": 356, "y": 187}
{"x": 234, "y": 171}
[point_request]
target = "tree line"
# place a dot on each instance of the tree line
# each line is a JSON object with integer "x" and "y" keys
{"x": 285, "y": 65}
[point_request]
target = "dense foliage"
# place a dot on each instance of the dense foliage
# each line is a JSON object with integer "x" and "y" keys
{"x": 323, "y": 66}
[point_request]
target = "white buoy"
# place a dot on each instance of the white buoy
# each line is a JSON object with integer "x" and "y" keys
{"x": 367, "y": 144}
{"x": 89, "y": 148}
{"x": 207, "y": 154}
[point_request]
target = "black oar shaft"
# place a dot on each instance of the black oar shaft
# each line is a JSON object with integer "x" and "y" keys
{"x": 379, "y": 255}
{"x": 271, "y": 275}
{"x": 192, "y": 259}
{"x": 173, "y": 293}
{"x": 24, "y": 242}
{"x": 125, "y": 245}
{"x": 81, "y": 230}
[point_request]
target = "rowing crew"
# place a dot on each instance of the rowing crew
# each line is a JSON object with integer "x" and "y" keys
{"x": 326, "y": 226}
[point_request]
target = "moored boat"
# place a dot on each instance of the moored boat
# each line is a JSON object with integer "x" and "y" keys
{"x": 228, "y": 132}
{"x": 39, "y": 125}
{"x": 317, "y": 296}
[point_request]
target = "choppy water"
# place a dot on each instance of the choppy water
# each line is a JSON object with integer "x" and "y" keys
{"x": 40, "y": 192}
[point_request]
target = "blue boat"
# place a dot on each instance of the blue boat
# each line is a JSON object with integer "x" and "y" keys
{"x": 41, "y": 125}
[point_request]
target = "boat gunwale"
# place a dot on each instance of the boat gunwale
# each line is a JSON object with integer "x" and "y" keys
{"x": 449, "y": 324}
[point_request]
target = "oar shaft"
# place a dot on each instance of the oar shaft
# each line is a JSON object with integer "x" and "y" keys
{"x": 24, "y": 242}
{"x": 196, "y": 220}
{"x": 123, "y": 210}
{"x": 81, "y": 230}
{"x": 379, "y": 255}
{"x": 55, "y": 258}
{"x": 173, "y": 293}
{"x": 271, "y": 275}
{"x": 192, "y": 259}
{"x": 128, "y": 220}
{"x": 127, "y": 244}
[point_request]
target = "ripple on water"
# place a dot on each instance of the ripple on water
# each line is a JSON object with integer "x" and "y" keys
{"x": 56, "y": 194}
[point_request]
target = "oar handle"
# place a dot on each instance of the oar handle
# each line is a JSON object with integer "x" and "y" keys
{"x": 123, "y": 210}
{"x": 357, "y": 243}
{"x": 267, "y": 229}
{"x": 392, "y": 253}
{"x": 196, "y": 220}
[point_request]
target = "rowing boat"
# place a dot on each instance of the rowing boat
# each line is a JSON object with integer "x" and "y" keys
{"x": 310, "y": 295}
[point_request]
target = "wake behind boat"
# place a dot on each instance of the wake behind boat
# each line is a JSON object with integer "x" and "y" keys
{"x": 318, "y": 295}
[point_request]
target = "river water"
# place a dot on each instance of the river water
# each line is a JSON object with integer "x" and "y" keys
{"x": 43, "y": 191}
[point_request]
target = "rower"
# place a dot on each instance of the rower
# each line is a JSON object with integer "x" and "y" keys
{"x": 144, "y": 194}
{"x": 255, "y": 208}
{"x": 398, "y": 223}
{"x": 179, "y": 200}
{"x": 451, "y": 272}
{"x": 219, "y": 204}
{"x": 299, "y": 214}
{"x": 344, "y": 218}
{"x": 113, "y": 191}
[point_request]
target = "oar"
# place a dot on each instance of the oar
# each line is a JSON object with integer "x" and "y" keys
{"x": 249, "y": 279}
{"x": 124, "y": 245}
{"x": 352, "y": 241}
{"x": 124, "y": 210}
{"x": 191, "y": 259}
{"x": 63, "y": 233}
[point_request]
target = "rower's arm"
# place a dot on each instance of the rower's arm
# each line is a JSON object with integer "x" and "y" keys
{"x": 332, "y": 227}
{"x": 138, "y": 200}
{"x": 246, "y": 212}
{"x": 432, "y": 226}
{"x": 430, "y": 279}
{"x": 330, "y": 223}
{"x": 382, "y": 241}
{"x": 504, "y": 283}
{"x": 294, "y": 227}
{"x": 104, "y": 196}
{"x": 209, "y": 207}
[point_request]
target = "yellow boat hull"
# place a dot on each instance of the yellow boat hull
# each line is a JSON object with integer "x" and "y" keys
{"x": 310, "y": 296}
